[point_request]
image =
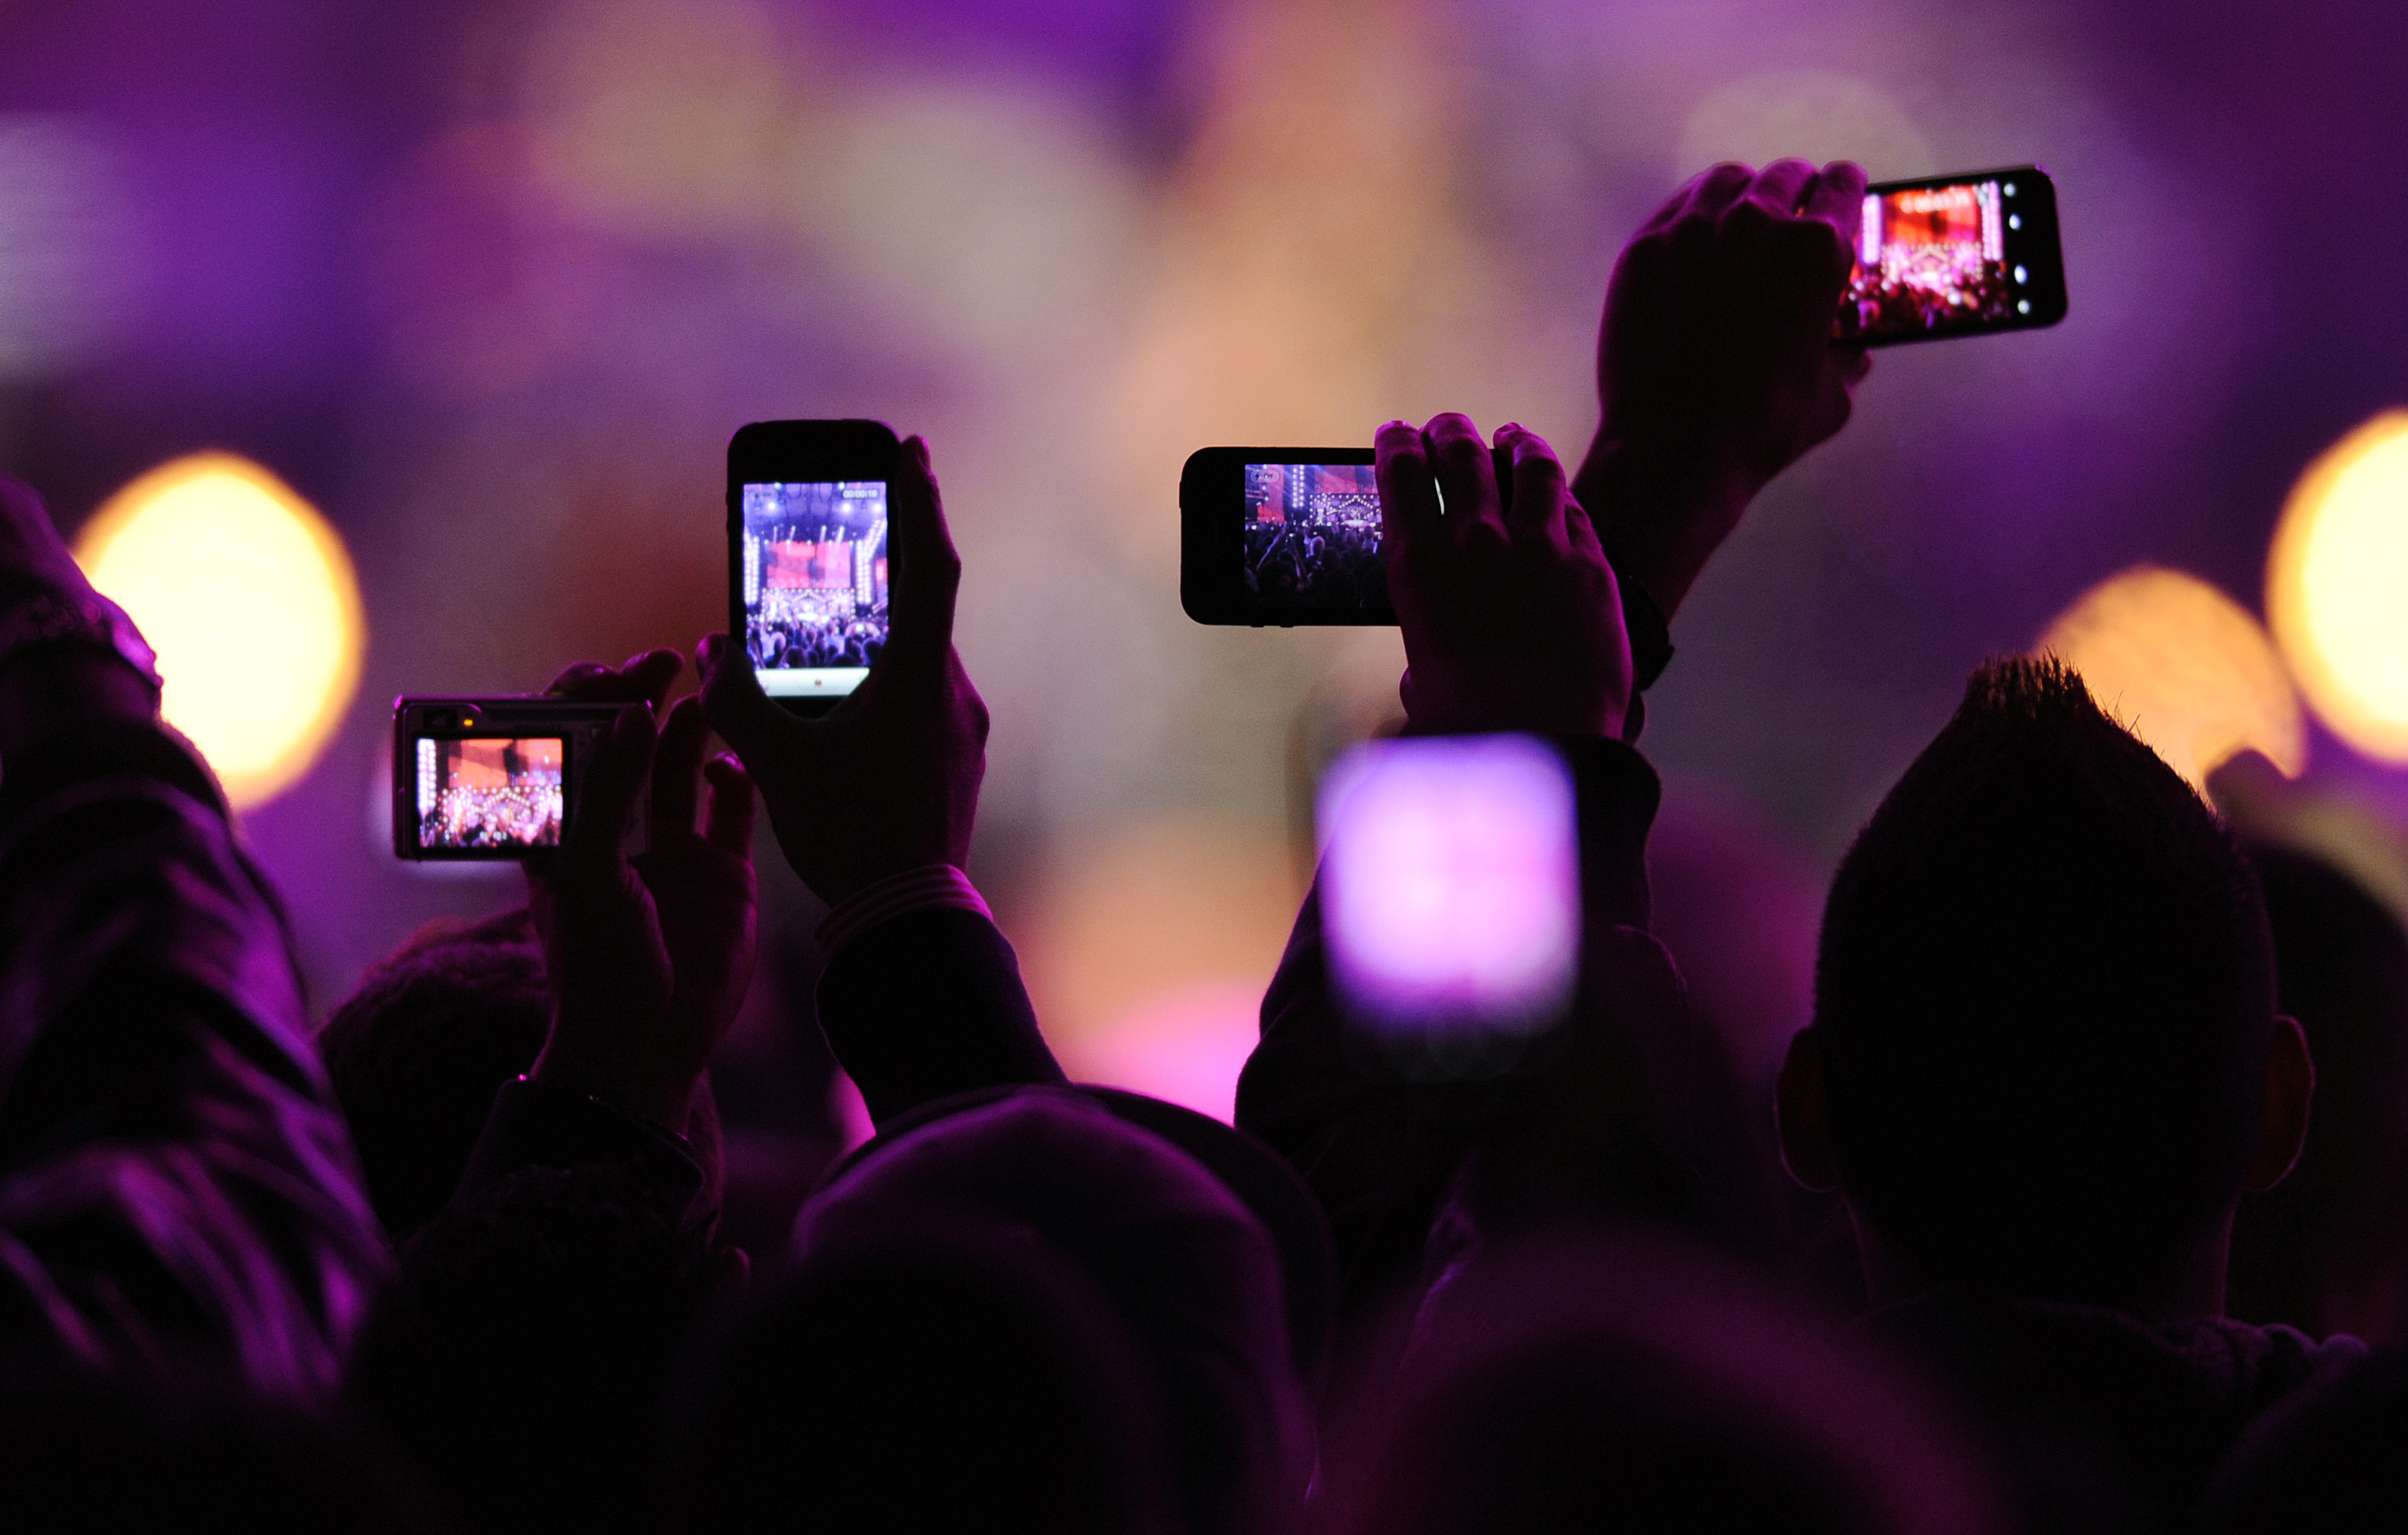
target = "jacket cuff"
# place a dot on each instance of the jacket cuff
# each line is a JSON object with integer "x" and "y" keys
{"x": 927, "y": 1004}
{"x": 930, "y": 887}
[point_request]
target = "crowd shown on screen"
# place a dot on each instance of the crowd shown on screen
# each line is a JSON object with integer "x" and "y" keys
{"x": 514, "y": 816}
{"x": 1319, "y": 564}
{"x": 459, "y": 1259}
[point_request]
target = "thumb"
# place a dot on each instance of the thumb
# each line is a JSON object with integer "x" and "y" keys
{"x": 738, "y": 710}
{"x": 607, "y": 791}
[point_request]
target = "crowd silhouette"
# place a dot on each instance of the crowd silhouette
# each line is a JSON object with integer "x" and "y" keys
{"x": 461, "y": 1259}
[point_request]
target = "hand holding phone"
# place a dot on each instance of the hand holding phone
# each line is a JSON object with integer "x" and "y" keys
{"x": 1512, "y": 617}
{"x": 887, "y": 780}
{"x": 1716, "y": 367}
{"x": 650, "y": 958}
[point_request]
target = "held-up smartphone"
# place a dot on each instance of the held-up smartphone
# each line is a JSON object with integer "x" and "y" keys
{"x": 806, "y": 555}
{"x": 486, "y": 778}
{"x": 1956, "y": 255}
{"x": 1286, "y": 536}
{"x": 1450, "y": 901}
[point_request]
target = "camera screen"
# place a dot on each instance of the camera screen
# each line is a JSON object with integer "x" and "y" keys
{"x": 491, "y": 791}
{"x": 1934, "y": 259}
{"x": 814, "y": 584}
{"x": 1451, "y": 892}
{"x": 1313, "y": 536}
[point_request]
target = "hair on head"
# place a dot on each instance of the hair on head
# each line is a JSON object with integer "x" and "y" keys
{"x": 2046, "y": 992}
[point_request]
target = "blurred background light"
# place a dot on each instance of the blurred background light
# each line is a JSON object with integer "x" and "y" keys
{"x": 1146, "y": 948}
{"x": 249, "y": 599}
{"x": 2337, "y": 587}
{"x": 1806, "y": 113}
{"x": 2185, "y": 667}
{"x": 74, "y": 263}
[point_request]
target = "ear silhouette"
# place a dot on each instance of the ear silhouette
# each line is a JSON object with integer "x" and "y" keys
{"x": 1798, "y": 1112}
{"x": 2290, "y": 1087}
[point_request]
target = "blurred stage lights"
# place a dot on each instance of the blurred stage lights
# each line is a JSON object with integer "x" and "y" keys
{"x": 2337, "y": 587}
{"x": 2185, "y": 668}
{"x": 249, "y": 599}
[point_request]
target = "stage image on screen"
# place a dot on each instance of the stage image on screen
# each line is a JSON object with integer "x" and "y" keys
{"x": 814, "y": 583}
{"x": 1312, "y": 535}
{"x": 1931, "y": 259}
{"x": 502, "y": 792}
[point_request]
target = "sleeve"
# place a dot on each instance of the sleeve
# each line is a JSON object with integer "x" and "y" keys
{"x": 174, "y": 1176}
{"x": 1380, "y": 1157}
{"x": 929, "y": 1004}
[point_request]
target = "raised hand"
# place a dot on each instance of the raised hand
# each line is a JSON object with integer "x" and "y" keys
{"x": 887, "y": 780}
{"x": 1511, "y": 619}
{"x": 1717, "y": 366}
{"x": 650, "y": 959}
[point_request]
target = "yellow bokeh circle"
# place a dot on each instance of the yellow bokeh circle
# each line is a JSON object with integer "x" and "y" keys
{"x": 248, "y": 598}
{"x": 2337, "y": 587}
{"x": 2185, "y": 668}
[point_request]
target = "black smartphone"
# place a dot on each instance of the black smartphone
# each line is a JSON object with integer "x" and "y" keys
{"x": 806, "y": 555}
{"x": 490, "y": 778}
{"x": 1280, "y": 537}
{"x": 1956, "y": 255}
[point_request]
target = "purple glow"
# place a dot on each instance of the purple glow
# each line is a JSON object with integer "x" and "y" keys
{"x": 1451, "y": 883}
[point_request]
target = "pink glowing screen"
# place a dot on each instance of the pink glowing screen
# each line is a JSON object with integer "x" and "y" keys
{"x": 1449, "y": 882}
{"x": 1929, "y": 259}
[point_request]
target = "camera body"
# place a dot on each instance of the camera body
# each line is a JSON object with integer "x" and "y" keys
{"x": 490, "y": 779}
{"x": 1451, "y": 903}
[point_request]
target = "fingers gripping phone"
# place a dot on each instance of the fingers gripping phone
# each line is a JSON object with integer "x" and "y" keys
{"x": 1450, "y": 901}
{"x": 493, "y": 778}
{"x": 1956, "y": 255}
{"x": 806, "y": 555}
{"x": 1287, "y": 536}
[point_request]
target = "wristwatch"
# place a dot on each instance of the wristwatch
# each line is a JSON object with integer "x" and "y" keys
{"x": 42, "y": 619}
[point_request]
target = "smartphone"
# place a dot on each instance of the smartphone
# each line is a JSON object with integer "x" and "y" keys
{"x": 1956, "y": 255}
{"x": 1283, "y": 536}
{"x": 806, "y": 555}
{"x": 491, "y": 778}
{"x": 1450, "y": 901}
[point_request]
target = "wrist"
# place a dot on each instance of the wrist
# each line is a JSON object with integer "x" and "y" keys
{"x": 665, "y": 1097}
{"x": 1660, "y": 510}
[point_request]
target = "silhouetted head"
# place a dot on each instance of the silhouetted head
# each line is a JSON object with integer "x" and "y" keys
{"x": 183, "y": 1445}
{"x": 2324, "y": 1252}
{"x": 418, "y": 1050}
{"x": 2043, "y": 1005}
{"x": 1181, "y": 1268}
{"x": 521, "y": 1363}
{"x": 1629, "y": 1385}
{"x": 945, "y": 1372}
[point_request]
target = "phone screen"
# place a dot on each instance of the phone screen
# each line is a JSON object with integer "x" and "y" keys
{"x": 1935, "y": 258}
{"x": 814, "y": 584}
{"x": 1313, "y": 536}
{"x": 1450, "y": 890}
{"x": 491, "y": 791}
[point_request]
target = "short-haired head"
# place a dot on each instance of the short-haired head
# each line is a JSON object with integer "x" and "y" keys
{"x": 2044, "y": 996}
{"x": 416, "y": 1053}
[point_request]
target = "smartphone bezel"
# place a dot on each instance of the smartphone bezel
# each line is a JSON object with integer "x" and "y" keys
{"x": 799, "y": 452}
{"x": 2036, "y": 247}
{"x": 1213, "y": 541}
